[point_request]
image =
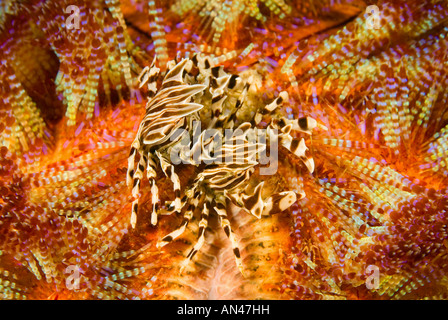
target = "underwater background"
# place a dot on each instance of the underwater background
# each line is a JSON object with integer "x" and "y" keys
{"x": 369, "y": 220}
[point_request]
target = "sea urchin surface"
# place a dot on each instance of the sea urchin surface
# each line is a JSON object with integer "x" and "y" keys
{"x": 244, "y": 149}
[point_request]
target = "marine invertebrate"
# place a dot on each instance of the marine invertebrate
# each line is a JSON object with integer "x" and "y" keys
{"x": 372, "y": 223}
{"x": 191, "y": 87}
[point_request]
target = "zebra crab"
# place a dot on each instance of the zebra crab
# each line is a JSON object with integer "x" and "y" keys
{"x": 192, "y": 92}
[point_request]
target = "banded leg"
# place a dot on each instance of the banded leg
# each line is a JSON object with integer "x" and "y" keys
{"x": 283, "y": 96}
{"x": 131, "y": 162}
{"x": 257, "y": 206}
{"x": 154, "y": 200}
{"x": 188, "y": 215}
{"x": 203, "y": 223}
{"x": 134, "y": 178}
{"x": 168, "y": 169}
{"x": 254, "y": 203}
{"x": 232, "y": 117}
{"x": 280, "y": 201}
{"x": 298, "y": 148}
{"x": 306, "y": 125}
{"x": 285, "y": 127}
{"x": 220, "y": 209}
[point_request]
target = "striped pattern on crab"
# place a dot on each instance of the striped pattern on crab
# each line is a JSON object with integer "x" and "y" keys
{"x": 190, "y": 89}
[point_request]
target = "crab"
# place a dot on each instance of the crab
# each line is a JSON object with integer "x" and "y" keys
{"x": 190, "y": 89}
